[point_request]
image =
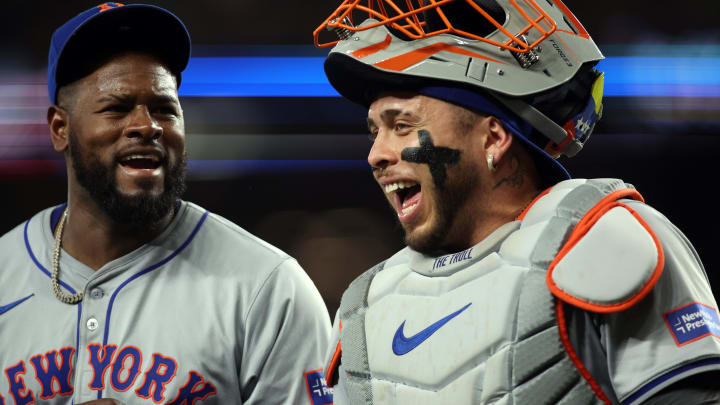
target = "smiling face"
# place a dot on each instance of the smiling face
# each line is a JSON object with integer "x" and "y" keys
{"x": 429, "y": 166}
{"x": 125, "y": 138}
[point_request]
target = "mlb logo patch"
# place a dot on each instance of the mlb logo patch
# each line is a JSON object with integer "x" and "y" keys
{"x": 318, "y": 391}
{"x": 692, "y": 322}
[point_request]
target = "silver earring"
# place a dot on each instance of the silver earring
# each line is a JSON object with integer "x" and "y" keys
{"x": 491, "y": 165}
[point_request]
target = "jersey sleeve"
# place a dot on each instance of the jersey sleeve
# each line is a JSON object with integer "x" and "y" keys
{"x": 672, "y": 333}
{"x": 286, "y": 337}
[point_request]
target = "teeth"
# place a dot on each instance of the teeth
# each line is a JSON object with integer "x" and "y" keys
{"x": 406, "y": 210}
{"x": 131, "y": 157}
{"x": 389, "y": 188}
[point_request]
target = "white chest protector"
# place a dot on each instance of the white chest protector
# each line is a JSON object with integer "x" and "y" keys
{"x": 486, "y": 325}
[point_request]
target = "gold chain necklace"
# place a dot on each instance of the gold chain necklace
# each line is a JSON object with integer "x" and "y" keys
{"x": 68, "y": 299}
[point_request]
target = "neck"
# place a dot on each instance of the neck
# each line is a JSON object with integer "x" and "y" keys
{"x": 95, "y": 239}
{"x": 507, "y": 205}
{"x": 484, "y": 221}
{"x": 501, "y": 198}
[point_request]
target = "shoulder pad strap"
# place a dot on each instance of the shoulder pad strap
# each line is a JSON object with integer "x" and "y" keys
{"x": 352, "y": 311}
{"x": 611, "y": 260}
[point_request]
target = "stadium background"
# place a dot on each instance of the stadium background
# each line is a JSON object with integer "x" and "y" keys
{"x": 273, "y": 148}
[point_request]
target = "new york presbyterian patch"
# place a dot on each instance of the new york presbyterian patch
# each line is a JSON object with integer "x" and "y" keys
{"x": 692, "y": 322}
{"x": 318, "y": 391}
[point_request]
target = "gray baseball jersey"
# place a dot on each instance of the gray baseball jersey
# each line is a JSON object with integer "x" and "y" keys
{"x": 630, "y": 312}
{"x": 205, "y": 313}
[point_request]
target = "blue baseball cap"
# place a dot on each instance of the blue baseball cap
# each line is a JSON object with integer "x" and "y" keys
{"x": 111, "y": 26}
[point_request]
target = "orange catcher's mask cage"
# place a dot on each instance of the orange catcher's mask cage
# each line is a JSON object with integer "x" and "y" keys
{"x": 410, "y": 21}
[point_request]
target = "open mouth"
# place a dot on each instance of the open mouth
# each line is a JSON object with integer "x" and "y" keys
{"x": 140, "y": 162}
{"x": 407, "y": 196}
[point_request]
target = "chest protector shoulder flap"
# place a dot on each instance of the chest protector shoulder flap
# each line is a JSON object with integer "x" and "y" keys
{"x": 489, "y": 327}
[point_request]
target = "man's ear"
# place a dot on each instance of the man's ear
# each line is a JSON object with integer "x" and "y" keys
{"x": 59, "y": 121}
{"x": 498, "y": 140}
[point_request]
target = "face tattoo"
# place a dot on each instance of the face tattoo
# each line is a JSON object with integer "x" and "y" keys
{"x": 435, "y": 157}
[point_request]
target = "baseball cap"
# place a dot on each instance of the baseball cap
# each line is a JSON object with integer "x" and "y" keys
{"x": 111, "y": 26}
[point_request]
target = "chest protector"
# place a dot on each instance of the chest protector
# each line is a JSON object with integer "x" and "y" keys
{"x": 486, "y": 325}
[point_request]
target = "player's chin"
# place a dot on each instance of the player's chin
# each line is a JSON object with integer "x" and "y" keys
{"x": 423, "y": 243}
{"x": 142, "y": 187}
{"x": 421, "y": 236}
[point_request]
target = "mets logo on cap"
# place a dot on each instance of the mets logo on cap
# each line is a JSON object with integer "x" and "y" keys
{"x": 108, "y": 6}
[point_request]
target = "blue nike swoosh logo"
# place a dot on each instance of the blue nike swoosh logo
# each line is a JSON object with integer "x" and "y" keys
{"x": 12, "y": 305}
{"x": 402, "y": 345}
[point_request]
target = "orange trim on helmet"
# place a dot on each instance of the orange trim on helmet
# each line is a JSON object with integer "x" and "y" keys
{"x": 581, "y": 229}
{"x": 556, "y": 150}
{"x": 404, "y": 61}
{"x": 533, "y": 5}
{"x": 369, "y": 50}
{"x": 540, "y": 15}
{"x": 334, "y": 361}
{"x": 387, "y": 13}
{"x": 568, "y": 48}
{"x": 534, "y": 22}
{"x": 581, "y": 30}
{"x": 565, "y": 338}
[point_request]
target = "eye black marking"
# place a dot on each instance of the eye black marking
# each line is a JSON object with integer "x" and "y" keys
{"x": 435, "y": 157}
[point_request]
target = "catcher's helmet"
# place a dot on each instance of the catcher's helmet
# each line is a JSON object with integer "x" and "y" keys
{"x": 528, "y": 62}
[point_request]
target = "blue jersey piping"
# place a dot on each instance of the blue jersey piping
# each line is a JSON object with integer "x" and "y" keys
{"x": 145, "y": 271}
{"x": 680, "y": 370}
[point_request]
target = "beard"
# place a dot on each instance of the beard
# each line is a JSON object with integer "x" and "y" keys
{"x": 139, "y": 211}
{"x": 448, "y": 201}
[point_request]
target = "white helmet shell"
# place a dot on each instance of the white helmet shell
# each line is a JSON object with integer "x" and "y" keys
{"x": 538, "y": 47}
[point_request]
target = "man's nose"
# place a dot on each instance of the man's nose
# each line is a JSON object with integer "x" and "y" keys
{"x": 382, "y": 154}
{"x": 142, "y": 124}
